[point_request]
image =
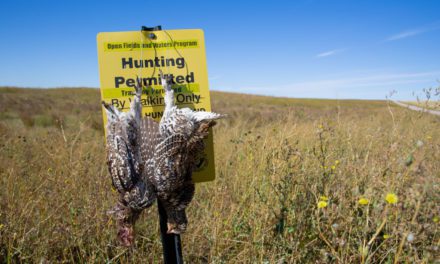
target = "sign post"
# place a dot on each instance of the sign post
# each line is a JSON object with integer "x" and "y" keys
{"x": 171, "y": 244}
{"x": 180, "y": 54}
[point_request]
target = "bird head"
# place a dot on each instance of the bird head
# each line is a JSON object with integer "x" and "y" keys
{"x": 126, "y": 235}
{"x": 126, "y": 218}
{"x": 112, "y": 113}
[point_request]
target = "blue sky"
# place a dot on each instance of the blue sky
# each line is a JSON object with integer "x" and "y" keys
{"x": 319, "y": 49}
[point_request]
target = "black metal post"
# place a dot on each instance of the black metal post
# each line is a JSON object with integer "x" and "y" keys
{"x": 171, "y": 245}
{"x": 172, "y": 249}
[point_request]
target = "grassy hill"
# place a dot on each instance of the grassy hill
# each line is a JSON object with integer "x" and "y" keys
{"x": 298, "y": 180}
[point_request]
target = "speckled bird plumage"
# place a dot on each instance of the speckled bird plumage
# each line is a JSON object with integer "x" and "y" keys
{"x": 147, "y": 159}
{"x": 181, "y": 134}
{"x": 126, "y": 165}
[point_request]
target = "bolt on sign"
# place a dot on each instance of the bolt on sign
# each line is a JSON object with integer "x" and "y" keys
{"x": 178, "y": 54}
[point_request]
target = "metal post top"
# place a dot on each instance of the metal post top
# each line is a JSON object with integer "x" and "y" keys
{"x": 151, "y": 35}
{"x": 156, "y": 28}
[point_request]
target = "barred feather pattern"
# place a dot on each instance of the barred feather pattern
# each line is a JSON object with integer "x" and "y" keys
{"x": 150, "y": 138}
{"x": 126, "y": 166}
{"x": 181, "y": 135}
{"x": 124, "y": 155}
{"x": 147, "y": 159}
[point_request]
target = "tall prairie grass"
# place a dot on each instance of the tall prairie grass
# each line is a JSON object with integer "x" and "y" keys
{"x": 298, "y": 181}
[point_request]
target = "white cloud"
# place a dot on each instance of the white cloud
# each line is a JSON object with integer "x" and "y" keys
{"x": 406, "y": 34}
{"x": 329, "y": 53}
{"x": 413, "y": 32}
{"x": 372, "y": 80}
{"x": 346, "y": 87}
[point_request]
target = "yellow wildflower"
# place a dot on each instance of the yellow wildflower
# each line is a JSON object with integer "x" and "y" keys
{"x": 386, "y": 236}
{"x": 1, "y": 226}
{"x": 391, "y": 198}
{"x": 333, "y": 167}
{"x": 337, "y": 162}
{"x": 435, "y": 219}
{"x": 322, "y": 204}
{"x": 363, "y": 201}
{"x": 323, "y": 198}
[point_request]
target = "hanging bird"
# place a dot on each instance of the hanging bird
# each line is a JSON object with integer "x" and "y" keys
{"x": 126, "y": 165}
{"x": 179, "y": 145}
{"x": 148, "y": 159}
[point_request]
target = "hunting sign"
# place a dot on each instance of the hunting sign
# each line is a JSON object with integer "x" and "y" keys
{"x": 124, "y": 57}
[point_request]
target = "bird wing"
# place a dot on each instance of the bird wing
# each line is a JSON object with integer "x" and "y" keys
{"x": 125, "y": 162}
{"x": 123, "y": 167}
{"x": 170, "y": 162}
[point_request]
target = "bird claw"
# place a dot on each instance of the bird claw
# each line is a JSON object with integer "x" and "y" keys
{"x": 108, "y": 107}
{"x": 165, "y": 81}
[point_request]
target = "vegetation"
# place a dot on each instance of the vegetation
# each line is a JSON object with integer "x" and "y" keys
{"x": 430, "y": 100}
{"x": 298, "y": 181}
{"x": 430, "y": 105}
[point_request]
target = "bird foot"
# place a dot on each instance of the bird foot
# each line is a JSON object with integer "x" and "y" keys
{"x": 165, "y": 81}
{"x": 138, "y": 86}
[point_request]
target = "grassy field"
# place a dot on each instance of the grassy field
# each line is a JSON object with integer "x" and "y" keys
{"x": 298, "y": 181}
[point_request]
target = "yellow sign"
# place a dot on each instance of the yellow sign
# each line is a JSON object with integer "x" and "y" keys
{"x": 179, "y": 54}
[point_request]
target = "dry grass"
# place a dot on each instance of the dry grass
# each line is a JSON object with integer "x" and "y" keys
{"x": 275, "y": 158}
{"x": 430, "y": 100}
{"x": 431, "y": 105}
